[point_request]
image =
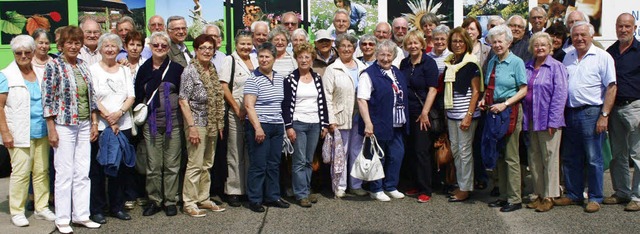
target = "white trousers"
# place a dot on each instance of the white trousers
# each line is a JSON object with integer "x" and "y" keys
{"x": 72, "y": 160}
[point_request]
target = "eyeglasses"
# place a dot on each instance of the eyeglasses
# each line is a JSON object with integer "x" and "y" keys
{"x": 367, "y": 44}
{"x": 23, "y": 53}
{"x": 290, "y": 23}
{"x": 214, "y": 36}
{"x": 457, "y": 42}
{"x": 163, "y": 46}
{"x": 205, "y": 49}
{"x": 178, "y": 29}
{"x": 516, "y": 26}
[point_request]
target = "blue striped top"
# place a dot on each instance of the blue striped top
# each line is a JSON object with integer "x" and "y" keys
{"x": 269, "y": 95}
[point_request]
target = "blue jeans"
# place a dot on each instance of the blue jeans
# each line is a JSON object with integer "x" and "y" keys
{"x": 392, "y": 161}
{"x": 307, "y": 135}
{"x": 582, "y": 149}
{"x": 263, "y": 182}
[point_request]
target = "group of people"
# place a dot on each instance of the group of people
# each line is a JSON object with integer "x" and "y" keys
{"x": 145, "y": 115}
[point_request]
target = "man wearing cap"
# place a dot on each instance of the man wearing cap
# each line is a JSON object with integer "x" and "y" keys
{"x": 326, "y": 53}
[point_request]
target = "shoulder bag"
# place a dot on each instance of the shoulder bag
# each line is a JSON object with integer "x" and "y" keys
{"x": 141, "y": 110}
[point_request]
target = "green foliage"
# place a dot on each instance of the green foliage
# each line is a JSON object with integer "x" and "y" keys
{"x": 14, "y": 23}
{"x": 322, "y": 15}
{"x": 495, "y": 7}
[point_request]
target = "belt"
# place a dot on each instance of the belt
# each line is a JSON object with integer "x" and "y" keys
{"x": 624, "y": 102}
{"x": 582, "y": 107}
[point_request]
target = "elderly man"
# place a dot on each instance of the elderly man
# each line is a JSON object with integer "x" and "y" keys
{"x": 520, "y": 44}
{"x": 326, "y": 54}
{"x": 569, "y": 20}
{"x": 92, "y": 32}
{"x": 291, "y": 22}
{"x": 341, "y": 22}
{"x": 592, "y": 90}
{"x": 624, "y": 128}
{"x": 492, "y": 22}
{"x": 383, "y": 32}
{"x": 155, "y": 24}
{"x": 124, "y": 26}
{"x": 537, "y": 19}
{"x": 177, "y": 30}
{"x": 400, "y": 28}
{"x": 215, "y": 32}
{"x": 260, "y": 30}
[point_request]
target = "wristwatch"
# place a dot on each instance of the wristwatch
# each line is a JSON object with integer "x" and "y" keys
{"x": 604, "y": 114}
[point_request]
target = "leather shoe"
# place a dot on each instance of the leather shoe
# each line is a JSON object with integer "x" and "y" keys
{"x": 98, "y": 218}
{"x": 278, "y": 203}
{"x": 151, "y": 209}
{"x": 495, "y": 192}
{"x": 511, "y": 207}
{"x": 121, "y": 215}
{"x": 234, "y": 201}
{"x": 256, "y": 207}
{"x": 497, "y": 203}
{"x": 171, "y": 210}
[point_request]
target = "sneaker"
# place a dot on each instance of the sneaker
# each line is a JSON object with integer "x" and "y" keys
{"x": 632, "y": 206}
{"x": 395, "y": 194}
{"x": 380, "y": 196}
{"x": 20, "y": 220}
{"x": 304, "y": 202}
{"x": 614, "y": 199}
{"x": 209, "y": 205}
{"x": 194, "y": 212}
{"x": 64, "y": 228}
{"x": 423, "y": 198}
{"x": 87, "y": 223}
{"x": 129, "y": 205}
{"x": 359, "y": 192}
{"x": 45, "y": 214}
{"x": 340, "y": 193}
{"x": 592, "y": 207}
{"x": 411, "y": 192}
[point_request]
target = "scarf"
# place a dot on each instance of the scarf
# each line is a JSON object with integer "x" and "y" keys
{"x": 209, "y": 81}
{"x": 450, "y": 75}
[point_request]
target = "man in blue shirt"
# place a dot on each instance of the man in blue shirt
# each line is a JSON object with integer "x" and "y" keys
{"x": 625, "y": 117}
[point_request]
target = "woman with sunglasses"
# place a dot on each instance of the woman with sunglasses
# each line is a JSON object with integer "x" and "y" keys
{"x": 236, "y": 69}
{"x": 157, "y": 84}
{"x": 114, "y": 90}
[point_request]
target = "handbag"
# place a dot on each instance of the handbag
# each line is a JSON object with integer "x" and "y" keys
{"x": 435, "y": 118}
{"x": 444, "y": 158}
{"x": 369, "y": 169}
{"x": 141, "y": 110}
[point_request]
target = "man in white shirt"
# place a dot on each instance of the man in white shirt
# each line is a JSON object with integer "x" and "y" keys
{"x": 92, "y": 32}
{"x": 177, "y": 30}
{"x": 383, "y": 32}
{"x": 214, "y": 31}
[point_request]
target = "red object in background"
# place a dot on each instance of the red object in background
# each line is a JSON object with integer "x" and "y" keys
{"x": 55, "y": 16}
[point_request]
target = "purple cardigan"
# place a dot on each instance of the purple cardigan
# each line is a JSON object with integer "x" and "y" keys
{"x": 549, "y": 95}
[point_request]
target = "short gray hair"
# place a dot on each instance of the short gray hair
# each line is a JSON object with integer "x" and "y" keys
{"x": 387, "y": 45}
{"x": 349, "y": 37}
{"x": 368, "y": 37}
{"x": 513, "y": 17}
{"x": 494, "y": 19}
{"x": 161, "y": 35}
{"x": 87, "y": 18}
{"x": 23, "y": 42}
{"x": 585, "y": 17}
{"x": 39, "y": 32}
{"x": 341, "y": 11}
{"x": 592, "y": 30}
{"x": 429, "y": 18}
{"x": 440, "y": 29}
{"x": 540, "y": 35}
{"x": 207, "y": 26}
{"x": 500, "y": 30}
{"x": 300, "y": 32}
{"x": 279, "y": 30}
{"x": 539, "y": 9}
{"x": 126, "y": 19}
{"x": 109, "y": 37}
{"x": 174, "y": 18}
{"x": 254, "y": 25}
{"x": 268, "y": 47}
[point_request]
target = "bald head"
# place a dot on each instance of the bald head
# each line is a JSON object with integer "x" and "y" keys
{"x": 383, "y": 31}
{"x": 575, "y": 16}
{"x": 625, "y": 27}
{"x": 156, "y": 24}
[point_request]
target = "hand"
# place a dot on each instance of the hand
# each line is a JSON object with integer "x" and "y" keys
{"x": 324, "y": 132}
{"x": 94, "y": 132}
{"x": 7, "y": 140}
{"x": 113, "y": 117}
{"x": 124, "y": 62}
{"x": 291, "y": 134}
{"x": 53, "y": 138}
{"x": 333, "y": 128}
{"x": 465, "y": 123}
{"x": 601, "y": 125}
{"x": 221, "y": 132}
{"x": 240, "y": 112}
{"x": 115, "y": 128}
{"x": 482, "y": 104}
{"x": 497, "y": 108}
{"x": 368, "y": 130}
{"x": 552, "y": 131}
{"x": 194, "y": 136}
{"x": 423, "y": 119}
{"x": 260, "y": 135}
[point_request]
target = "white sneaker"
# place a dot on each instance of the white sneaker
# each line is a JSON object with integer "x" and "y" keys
{"x": 340, "y": 193}
{"x": 64, "y": 228}
{"x": 88, "y": 224}
{"x": 380, "y": 196}
{"x": 20, "y": 220}
{"x": 45, "y": 214}
{"x": 395, "y": 194}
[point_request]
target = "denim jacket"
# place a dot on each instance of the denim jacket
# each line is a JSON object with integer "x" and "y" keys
{"x": 59, "y": 91}
{"x": 549, "y": 95}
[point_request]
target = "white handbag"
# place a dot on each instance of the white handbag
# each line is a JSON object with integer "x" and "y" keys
{"x": 141, "y": 110}
{"x": 369, "y": 169}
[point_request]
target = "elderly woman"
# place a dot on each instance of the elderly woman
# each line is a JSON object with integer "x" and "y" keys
{"x": 42, "y": 56}
{"x": 462, "y": 89}
{"x": 113, "y": 85}
{"x": 263, "y": 95}
{"x": 428, "y": 22}
{"x": 157, "y": 84}
{"x": 24, "y": 132}
{"x": 368, "y": 48}
{"x": 305, "y": 117}
{"x": 299, "y": 36}
{"x": 71, "y": 111}
{"x": 543, "y": 108}
{"x": 340, "y": 83}
{"x": 506, "y": 86}
{"x": 285, "y": 62}
{"x": 235, "y": 71}
{"x": 202, "y": 105}
{"x": 440, "y": 51}
{"x": 558, "y": 33}
{"x": 383, "y": 101}
{"x": 421, "y": 72}
{"x": 480, "y": 50}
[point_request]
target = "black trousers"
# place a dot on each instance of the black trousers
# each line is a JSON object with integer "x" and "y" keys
{"x": 419, "y": 156}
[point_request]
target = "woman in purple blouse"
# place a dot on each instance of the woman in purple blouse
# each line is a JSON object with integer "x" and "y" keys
{"x": 544, "y": 118}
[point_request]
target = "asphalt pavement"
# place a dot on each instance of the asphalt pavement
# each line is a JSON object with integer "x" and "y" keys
{"x": 363, "y": 215}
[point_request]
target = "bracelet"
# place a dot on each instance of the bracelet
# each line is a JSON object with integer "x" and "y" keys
{"x": 94, "y": 123}
{"x": 470, "y": 113}
{"x": 506, "y": 102}
{"x": 191, "y": 126}
{"x": 123, "y": 111}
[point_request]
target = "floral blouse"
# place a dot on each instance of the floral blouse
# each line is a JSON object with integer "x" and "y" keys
{"x": 192, "y": 90}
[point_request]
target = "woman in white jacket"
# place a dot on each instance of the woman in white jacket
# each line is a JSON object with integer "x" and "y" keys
{"x": 340, "y": 82}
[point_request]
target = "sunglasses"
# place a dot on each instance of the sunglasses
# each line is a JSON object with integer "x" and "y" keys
{"x": 156, "y": 45}
{"x": 367, "y": 44}
{"x": 22, "y": 53}
{"x": 290, "y": 23}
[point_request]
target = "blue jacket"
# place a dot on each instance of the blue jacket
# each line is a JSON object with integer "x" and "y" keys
{"x": 113, "y": 150}
{"x": 493, "y": 137}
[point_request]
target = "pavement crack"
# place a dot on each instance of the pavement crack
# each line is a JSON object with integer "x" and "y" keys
{"x": 264, "y": 220}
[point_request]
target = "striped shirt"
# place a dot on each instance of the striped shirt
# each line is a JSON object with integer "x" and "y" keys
{"x": 269, "y": 95}
{"x": 461, "y": 106}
